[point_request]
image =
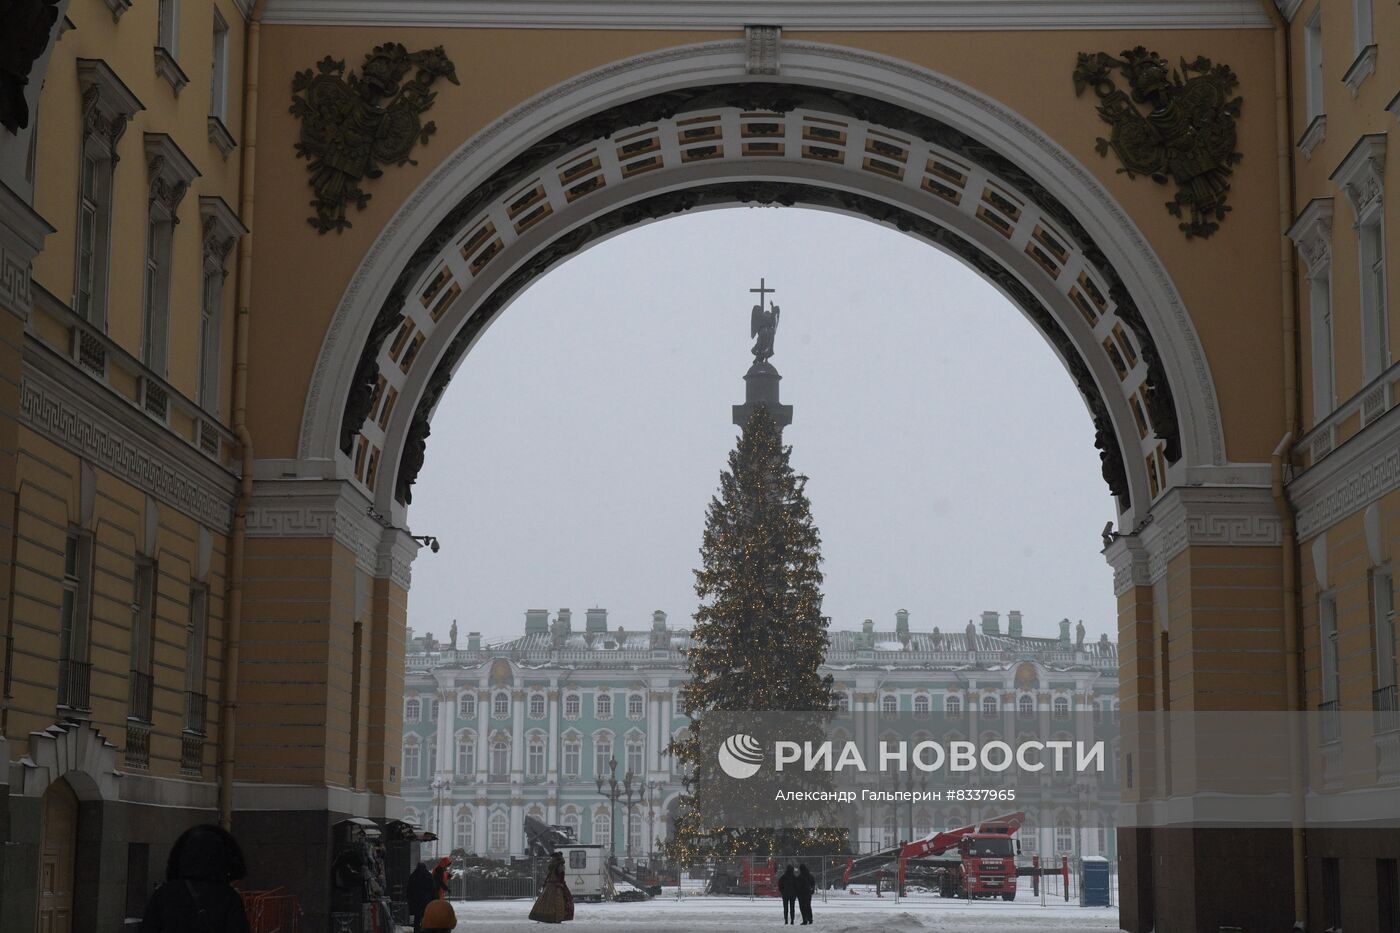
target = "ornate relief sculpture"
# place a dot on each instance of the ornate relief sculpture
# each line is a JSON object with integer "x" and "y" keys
{"x": 1188, "y": 136}
{"x": 350, "y": 126}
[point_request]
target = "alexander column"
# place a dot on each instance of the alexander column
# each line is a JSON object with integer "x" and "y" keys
{"x": 761, "y": 381}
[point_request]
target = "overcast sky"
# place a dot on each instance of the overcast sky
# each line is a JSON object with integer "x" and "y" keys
{"x": 951, "y": 461}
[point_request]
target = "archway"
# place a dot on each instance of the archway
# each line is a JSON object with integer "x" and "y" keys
{"x": 57, "y": 854}
{"x": 841, "y": 131}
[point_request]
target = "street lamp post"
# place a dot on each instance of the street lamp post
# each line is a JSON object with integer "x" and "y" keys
{"x": 653, "y": 791}
{"x": 617, "y": 790}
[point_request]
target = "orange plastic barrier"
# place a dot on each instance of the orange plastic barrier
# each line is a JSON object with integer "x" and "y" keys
{"x": 272, "y": 911}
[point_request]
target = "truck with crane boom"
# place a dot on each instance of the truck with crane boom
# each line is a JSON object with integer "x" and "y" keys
{"x": 984, "y": 865}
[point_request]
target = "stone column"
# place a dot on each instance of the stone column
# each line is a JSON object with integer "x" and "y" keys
{"x": 517, "y": 826}
{"x": 483, "y": 726}
{"x": 653, "y": 730}
{"x": 517, "y": 734}
{"x": 552, "y": 752}
{"x": 479, "y": 817}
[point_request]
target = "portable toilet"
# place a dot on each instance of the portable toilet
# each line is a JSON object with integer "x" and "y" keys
{"x": 586, "y": 871}
{"x": 1094, "y": 881}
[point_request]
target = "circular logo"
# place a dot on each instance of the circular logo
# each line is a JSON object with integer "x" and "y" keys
{"x": 740, "y": 756}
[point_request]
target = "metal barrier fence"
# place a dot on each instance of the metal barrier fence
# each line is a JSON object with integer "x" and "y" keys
{"x": 272, "y": 911}
{"x": 476, "y": 887}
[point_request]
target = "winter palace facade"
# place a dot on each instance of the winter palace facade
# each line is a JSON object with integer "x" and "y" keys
{"x": 525, "y": 727}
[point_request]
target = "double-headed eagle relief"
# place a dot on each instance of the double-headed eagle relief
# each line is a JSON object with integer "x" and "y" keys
{"x": 351, "y": 125}
{"x": 1188, "y": 135}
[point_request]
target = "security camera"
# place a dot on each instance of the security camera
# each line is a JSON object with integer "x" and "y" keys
{"x": 433, "y": 543}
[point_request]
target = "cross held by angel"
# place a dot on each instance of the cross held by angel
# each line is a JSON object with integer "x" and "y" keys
{"x": 763, "y": 323}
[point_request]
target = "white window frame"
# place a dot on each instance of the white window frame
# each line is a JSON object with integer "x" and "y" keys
{"x": 573, "y": 706}
{"x": 466, "y": 753}
{"x": 463, "y": 830}
{"x": 1061, "y": 708}
{"x": 466, "y": 705}
{"x": 573, "y": 757}
{"x": 93, "y": 233}
{"x": 1363, "y": 25}
{"x": 953, "y": 705}
{"x": 637, "y": 711}
{"x": 636, "y": 755}
{"x": 603, "y": 751}
{"x": 990, "y": 705}
{"x": 412, "y": 710}
{"x": 498, "y": 832}
{"x": 537, "y": 706}
{"x": 534, "y": 756}
{"x": 500, "y": 757}
{"x": 1312, "y": 64}
{"x": 1383, "y": 617}
{"x": 155, "y": 291}
{"x": 1330, "y": 677}
{"x": 603, "y": 705}
{"x": 168, "y": 27}
{"x": 1375, "y": 327}
{"x": 412, "y": 760}
{"x": 218, "y": 77}
{"x": 500, "y": 704}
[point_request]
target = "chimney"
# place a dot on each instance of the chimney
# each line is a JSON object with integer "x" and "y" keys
{"x": 565, "y": 621}
{"x": 536, "y": 621}
{"x": 1064, "y": 633}
{"x": 991, "y": 624}
{"x": 1013, "y": 623}
{"x": 473, "y": 641}
{"x": 901, "y": 622}
{"x": 596, "y": 620}
{"x": 658, "y": 621}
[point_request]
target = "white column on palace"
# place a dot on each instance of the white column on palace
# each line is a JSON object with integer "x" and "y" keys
{"x": 479, "y": 826}
{"x": 517, "y": 826}
{"x": 483, "y": 737}
{"x": 653, "y": 729}
{"x": 552, "y": 751}
{"x": 517, "y": 734}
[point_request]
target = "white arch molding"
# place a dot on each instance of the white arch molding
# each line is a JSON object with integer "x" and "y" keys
{"x": 804, "y": 63}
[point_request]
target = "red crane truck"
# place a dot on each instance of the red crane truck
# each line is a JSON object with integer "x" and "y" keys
{"x": 985, "y": 865}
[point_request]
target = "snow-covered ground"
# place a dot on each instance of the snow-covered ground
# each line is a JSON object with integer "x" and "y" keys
{"x": 841, "y": 913}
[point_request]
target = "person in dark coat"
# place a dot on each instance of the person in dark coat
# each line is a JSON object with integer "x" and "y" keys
{"x": 806, "y": 885}
{"x": 197, "y": 895}
{"x": 787, "y": 889}
{"x": 419, "y": 893}
{"x": 442, "y": 877}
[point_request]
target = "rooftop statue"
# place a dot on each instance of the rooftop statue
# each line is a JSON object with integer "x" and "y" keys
{"x": 763, "y": 324}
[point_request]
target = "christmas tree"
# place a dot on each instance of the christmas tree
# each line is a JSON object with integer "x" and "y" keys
{"x": 758, "y": 641}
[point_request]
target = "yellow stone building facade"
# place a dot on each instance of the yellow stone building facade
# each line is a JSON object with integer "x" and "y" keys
{"x": 210, "y": 421}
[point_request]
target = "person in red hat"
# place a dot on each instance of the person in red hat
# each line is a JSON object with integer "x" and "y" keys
{"x": 441, "y": 877}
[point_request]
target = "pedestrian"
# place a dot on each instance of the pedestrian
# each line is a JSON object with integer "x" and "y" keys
{"x": 197, "y": 895}
{"x": 787, "y": 889}
{"x": 442, "y": 877}
{"x": 556, "y": 902}
{"x": 419, "y": 893}
{"x": 806, "y": 885}
{"x": 439, "y": 917}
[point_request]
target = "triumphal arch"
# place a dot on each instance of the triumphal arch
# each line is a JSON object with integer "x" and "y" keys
{"x": 215, "y": 402}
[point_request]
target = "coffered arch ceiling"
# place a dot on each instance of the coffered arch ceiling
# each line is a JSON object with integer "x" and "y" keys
{"x": 840, "y": 131}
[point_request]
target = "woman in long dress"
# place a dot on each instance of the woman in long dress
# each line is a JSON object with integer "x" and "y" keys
{"x": 555, "y": 903}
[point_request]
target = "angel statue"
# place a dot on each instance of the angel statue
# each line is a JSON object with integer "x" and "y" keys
{"x": 763, "y": 325}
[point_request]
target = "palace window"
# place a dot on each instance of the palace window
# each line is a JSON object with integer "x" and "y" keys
{"x": 75, "y": 621}
{"x": 889, "y": 704}
{"x": 1375, "y": 332}
{"x": 210, "y": 303}
{"x": 843, "y": 701}
{"x": 635, "y": 765}
{"x": 432, "y": 759}
{"x": 196, "y": 646}
{"x": 1363, "y": 34}
{"x": 108, "y": 105}
{"x": 410, "y": 759}
{"x": 94, "y": 221}
{"x": 143, "y": 618}
{"x": 218, "y": 79}
{"x": 602, "y": 828}
{"x": 634, "y": 832}
{"x": 466, "y": 753}
{"x": 572, "y": 754}
{"x": 537, "y": 706}
{"x": 571, "y": 822}
{"x": 602, "y": 705}
{"x": 171, "y": 173}
{"x": 990, "y": 706}
{"x": 1025, "y": 706}
{"x": 462, "y": 836}
{"x": 1061, "y": 708}
{"x": 1383, "y": 617}
{"x": 534, "y": 756}
{"x": 500, "y": 759}
{"x": 634, "y": 706}
{"x": 602, "y": 754}
{"x": 572, "y": 706}
{"x": 952, "y": 706}
{"x": 412, "y": 711}
{"x": 1312, "y": 63}
{"x": 466, "y": 705}
{"x": 921, "y": 704}
{"x": 434, "y": 709}
{"x": 500, "y": 833}
{"x": 1064, "y": 836}
{"x": 500, "y": 704}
